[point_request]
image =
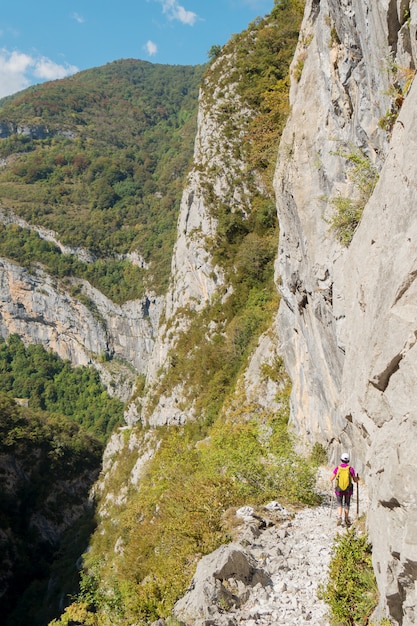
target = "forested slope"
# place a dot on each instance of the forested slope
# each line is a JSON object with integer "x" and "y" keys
{"x": 99, "y": 158}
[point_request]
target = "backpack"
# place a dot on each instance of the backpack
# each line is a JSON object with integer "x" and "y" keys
{"x": 343, "y": 478}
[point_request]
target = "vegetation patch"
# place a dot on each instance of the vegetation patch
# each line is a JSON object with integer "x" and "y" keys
{"x": 47, "y": 464}
{"x": 118, "y": 279}
{"x": 222, "y": 337}
{"x": 51, "y": 446}
{"x": 348, "y": 210}
{"x": 53, "y": 385}
{"x": 177, "y": 513}
{"x": 400, "y": 80}
{"x": 252, "y": 75}
{"x": 351, "y": 591}
{"x": 108, "y": 175}
{"x": 253, "y": 249}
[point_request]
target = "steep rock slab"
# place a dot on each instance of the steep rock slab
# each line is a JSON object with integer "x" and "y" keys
{"x": 336, "y": 105}
{"x": 379, "y": 380}
{"x": 348, "y": 316}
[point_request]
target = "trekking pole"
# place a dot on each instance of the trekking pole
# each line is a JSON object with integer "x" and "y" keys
{"x": 357, "y": 498}
{"x": 331, "y": 502}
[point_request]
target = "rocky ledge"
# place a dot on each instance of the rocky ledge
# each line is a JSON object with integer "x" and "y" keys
{"x": 271, "y": 572}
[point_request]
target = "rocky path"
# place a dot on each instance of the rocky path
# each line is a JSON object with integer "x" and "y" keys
{"x": 271, "y": 573}
{"x": 296, "y": 556}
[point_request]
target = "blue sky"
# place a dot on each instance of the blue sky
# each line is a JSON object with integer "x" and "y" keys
{"x": 48, "y": 39}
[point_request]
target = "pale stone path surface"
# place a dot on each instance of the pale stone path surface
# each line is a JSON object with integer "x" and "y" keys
{"x": 271, "y": 572}
{"x": 296, "y": 556}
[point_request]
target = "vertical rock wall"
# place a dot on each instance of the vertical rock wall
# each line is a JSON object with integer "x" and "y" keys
{"x": 348, "y": 316}
{"x": 334, "y": 106}
{"x": 379, "y": 390}
{"x": 217, "y": 177}
{"x": 40, "y": 310}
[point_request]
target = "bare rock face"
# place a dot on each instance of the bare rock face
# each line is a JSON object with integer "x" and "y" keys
{"x": 265, "y": 374}
{"x": 347, "y": 318}
{"x": 216, "y": 178}
{"x": 379, "y": 382}
{"x": 213, "y": 180}
{"x": 222, "y": 580}
{"x": 40, "y": 311}
{"x": 33, "y": 131}
{"x": 334, "y": 109}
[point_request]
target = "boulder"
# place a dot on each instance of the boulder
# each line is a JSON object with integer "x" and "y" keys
{"x": 221, "y": 582}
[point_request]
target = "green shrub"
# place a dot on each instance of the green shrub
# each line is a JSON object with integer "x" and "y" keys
{"x": 318, "y": 455}
{"x": 346, "y": 218}
{"x": 348, "y": 211}
{"x": 351, "y": 591}
{"x": 176, "y": 514}
{"x": 400, "y": 81}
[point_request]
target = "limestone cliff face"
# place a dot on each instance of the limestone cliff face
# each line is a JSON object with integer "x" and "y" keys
{"x": 40, "y": 310}
{"x": 215, "y": 178}
{"x": 194, "y": 276}
{"x": 335, "y": 103}
{"x": 348, "y": 315}
{"x": 379, "y": 395}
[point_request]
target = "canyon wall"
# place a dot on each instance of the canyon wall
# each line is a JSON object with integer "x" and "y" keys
{"x": 116, "y": 339}
{"x": 347, "y": 318}
{"x": 346, "y": 325}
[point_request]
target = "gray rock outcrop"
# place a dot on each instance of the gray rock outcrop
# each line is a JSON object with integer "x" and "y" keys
{"x": 33, "y": 131}
{"x": 220, "y": 583}
{"x": 40, "y": 310}
{"x": 347, "y": 318}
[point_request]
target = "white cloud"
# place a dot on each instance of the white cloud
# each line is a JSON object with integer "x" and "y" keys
{"x": 19, "y": 70}
{"x": 13, "y": 67}
{"x": 78, "y": 18}
{"x": 177, "y": 12}
{"x": 151, "y": 48}
{"x": 45, "y": 69}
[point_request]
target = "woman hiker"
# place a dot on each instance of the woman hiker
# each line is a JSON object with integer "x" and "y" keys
{"x": 345, "y": 476}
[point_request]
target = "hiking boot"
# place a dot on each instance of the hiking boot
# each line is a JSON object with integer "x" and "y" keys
{"x": 348, "y": 522}
{"x": 339, "y": 521}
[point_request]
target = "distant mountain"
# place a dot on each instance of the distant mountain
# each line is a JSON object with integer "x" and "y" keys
{"x": 99, "y": 158}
